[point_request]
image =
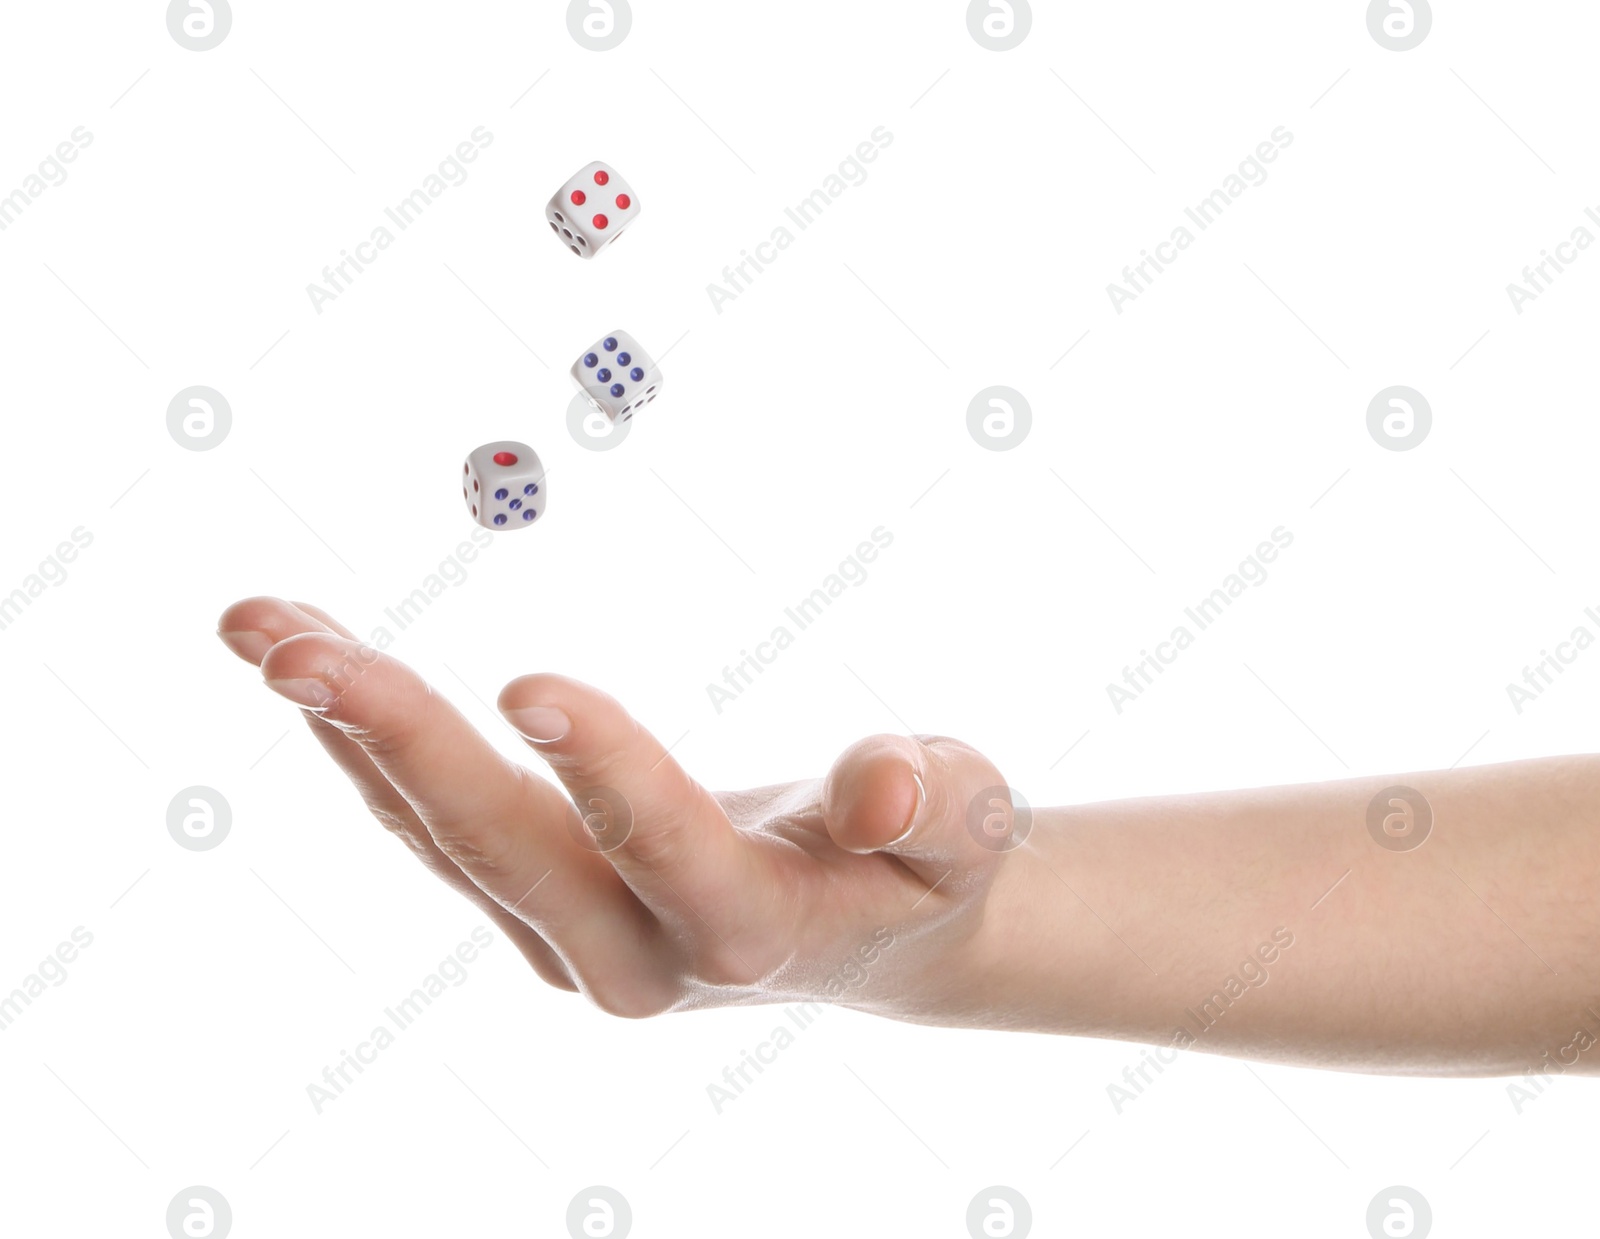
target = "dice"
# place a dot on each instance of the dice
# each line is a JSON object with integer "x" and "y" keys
{"x": 591, "y": 210}
{"x": 503, "y": 484}
{"x": 618, "y": 376}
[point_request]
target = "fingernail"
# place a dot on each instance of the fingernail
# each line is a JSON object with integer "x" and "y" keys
{"x": 916, "y": 810}
{"x": 308, "y": 694}
{"x": 540, "y": 724}
{"x": 250, "y": 646}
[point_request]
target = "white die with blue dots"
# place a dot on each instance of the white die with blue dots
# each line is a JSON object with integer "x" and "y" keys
{"x": 503, "y": 484}
{"x": 591, "y": 210}
{"x": 618, "y": 376}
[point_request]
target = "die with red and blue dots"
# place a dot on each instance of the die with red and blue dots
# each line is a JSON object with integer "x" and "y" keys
{"x": 503, "y": 484}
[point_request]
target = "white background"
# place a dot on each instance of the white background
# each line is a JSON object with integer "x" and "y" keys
{"x": 823, "y": 402}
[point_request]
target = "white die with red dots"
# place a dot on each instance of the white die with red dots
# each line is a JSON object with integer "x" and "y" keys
{"x": 504, "y": 485}
{"x": 591, "y": 210}
{"x": 618, "y": 376}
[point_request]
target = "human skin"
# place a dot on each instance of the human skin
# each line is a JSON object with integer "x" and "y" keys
{"x": 882, "y": 888}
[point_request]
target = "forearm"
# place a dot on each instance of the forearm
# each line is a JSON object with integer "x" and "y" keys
{"x": 1272, "y": 924}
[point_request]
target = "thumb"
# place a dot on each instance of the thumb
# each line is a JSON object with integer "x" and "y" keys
{"x": 930, "y": 800}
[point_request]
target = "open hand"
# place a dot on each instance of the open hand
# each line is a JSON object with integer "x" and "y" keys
{"x": 864, "y": 888}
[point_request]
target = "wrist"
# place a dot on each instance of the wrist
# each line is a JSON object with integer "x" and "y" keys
{"x": 1048, "y": 957}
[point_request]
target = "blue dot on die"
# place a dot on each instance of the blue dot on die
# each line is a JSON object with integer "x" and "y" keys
{"x": 603, "y": 375}
{"x": 531, "y": 488}
{"x": 609, "y": 344}
{"x": 617, "y": 389}
{"x": 515, "y": 504}
{"x": 529, "y": 514}
{"x": 500, "y": 519}
{"x": 636, "y": 374}
{"x": 623, "y": 359}
{"x": 501, "y": 493}
{"x": 591, "y": 360}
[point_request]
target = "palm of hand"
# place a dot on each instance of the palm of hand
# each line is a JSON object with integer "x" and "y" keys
{"x": 862, "y": 888}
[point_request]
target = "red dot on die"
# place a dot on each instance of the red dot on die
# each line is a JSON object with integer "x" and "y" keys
{"x": 600, "y": 221}
{"x": 600, "y": 178}
{"x": 505, "y": 458}
{"x": 578, "y": 197}
{"x": 623, "y": 202}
